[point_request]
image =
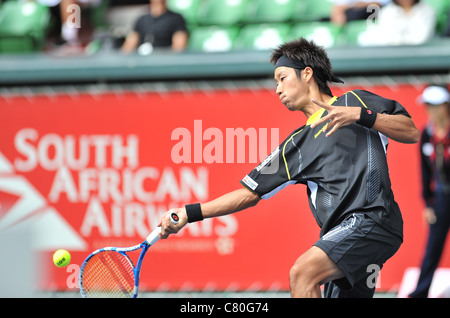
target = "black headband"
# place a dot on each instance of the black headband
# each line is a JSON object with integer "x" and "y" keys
{"x": 286, "y": 62}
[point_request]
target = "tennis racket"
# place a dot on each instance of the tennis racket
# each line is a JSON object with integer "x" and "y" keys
{"x": 109, "y": 272}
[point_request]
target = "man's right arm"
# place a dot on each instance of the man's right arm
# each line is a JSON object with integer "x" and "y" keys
{"x": 231, "y": 202}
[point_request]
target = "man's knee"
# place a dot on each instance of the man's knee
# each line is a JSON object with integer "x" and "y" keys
{"x": 302, "y": 281}
{"x": 312, "y": 269}
{"x": 302, "y": 278}
{"x": 299, "y": 271}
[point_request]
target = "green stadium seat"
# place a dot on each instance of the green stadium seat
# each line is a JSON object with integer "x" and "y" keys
{"x": 23, "y": 26}
{"x": 270, "y": 11}
{"x": 441, "y": 7}
{"x": 353, "y": 31}
{"x": 187, "y": 8}
{"x": 212, "y": 39}
{"x": 262, "y": 36}
{"x": 325, "y": 34}
{"x": 313, "y": 10}
{"x": 221, "y": 12}
{"x": 98, "y": 14}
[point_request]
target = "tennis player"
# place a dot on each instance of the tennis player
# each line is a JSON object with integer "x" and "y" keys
{"x": 340, "y": 155}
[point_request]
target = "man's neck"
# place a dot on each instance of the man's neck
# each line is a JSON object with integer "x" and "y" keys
{"x": 312, "y": 108}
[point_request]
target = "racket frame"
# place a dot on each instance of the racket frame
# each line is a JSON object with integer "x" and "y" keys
{"x": 151, "y": 239}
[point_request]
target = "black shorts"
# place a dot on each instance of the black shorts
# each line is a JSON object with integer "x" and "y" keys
{"x": 359, "y": 247}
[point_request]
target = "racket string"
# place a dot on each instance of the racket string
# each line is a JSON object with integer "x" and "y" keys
{"x": 108, "y": 274}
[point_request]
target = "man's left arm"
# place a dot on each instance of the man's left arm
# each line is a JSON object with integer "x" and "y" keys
{"x": 397, "y": 127}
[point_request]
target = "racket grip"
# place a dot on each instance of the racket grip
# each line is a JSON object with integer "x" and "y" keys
{"x": 153, "y": 237}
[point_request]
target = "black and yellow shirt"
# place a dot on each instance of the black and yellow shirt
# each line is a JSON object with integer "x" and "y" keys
{"x": 344, "y": 173}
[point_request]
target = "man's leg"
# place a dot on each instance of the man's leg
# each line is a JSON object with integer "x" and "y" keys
{"x": 312, "y": 269}
{"x": 354, "y": 244}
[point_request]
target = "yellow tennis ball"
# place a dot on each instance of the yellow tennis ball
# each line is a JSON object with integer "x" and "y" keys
{"x": 61, "y": 258}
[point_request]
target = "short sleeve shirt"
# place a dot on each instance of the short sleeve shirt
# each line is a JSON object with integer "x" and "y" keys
{"x": 159, "y": 31}
{"x": 345, "y": 173}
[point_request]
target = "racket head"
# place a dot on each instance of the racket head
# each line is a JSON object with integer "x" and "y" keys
{"x": 107, "y": 273}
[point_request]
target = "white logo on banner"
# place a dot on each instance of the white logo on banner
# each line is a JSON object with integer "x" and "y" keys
{"x": 21, "y": 205}
{"x": 101, "y": 178}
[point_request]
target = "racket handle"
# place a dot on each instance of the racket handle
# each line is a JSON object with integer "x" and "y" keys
{"x": 153, "y": 237}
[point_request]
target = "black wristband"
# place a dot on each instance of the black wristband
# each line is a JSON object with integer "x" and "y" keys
{"x": 194, "y": 212}
{"x": 367, "y": 117}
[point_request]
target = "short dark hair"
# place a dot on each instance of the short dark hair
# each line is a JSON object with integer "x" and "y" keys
{"x": 311, "y": 55}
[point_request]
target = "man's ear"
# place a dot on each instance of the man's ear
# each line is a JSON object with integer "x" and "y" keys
{"x": 307, "y": 74}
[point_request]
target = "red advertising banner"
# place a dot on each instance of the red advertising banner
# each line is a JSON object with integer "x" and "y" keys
{"x": 87, "y": 171}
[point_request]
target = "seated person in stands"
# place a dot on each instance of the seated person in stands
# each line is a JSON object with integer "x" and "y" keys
{"x": 402, "y": 22}
{"x": 447, "y": 25}
{"x": 71, "y": 43}
{"x": 344, "y": 11}
{"x": 160, "y": 28}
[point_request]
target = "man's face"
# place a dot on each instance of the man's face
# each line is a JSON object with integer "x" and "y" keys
{"x": 291, "y": 89}
{"x": 437, "y": 112}
{"x": 405, "y": 3}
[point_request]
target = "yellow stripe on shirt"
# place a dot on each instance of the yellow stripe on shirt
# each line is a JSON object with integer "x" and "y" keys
{"x": 313, "y": 118}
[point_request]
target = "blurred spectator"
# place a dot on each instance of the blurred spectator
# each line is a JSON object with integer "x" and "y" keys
{"x": 402, "y": 22}
{"x": 70, "y": 14}
{"x": 447, "y": 25}
{"x": 435, "y": 165}
{"x": 160, "y": 28}
{"x": 344, "y": 11}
